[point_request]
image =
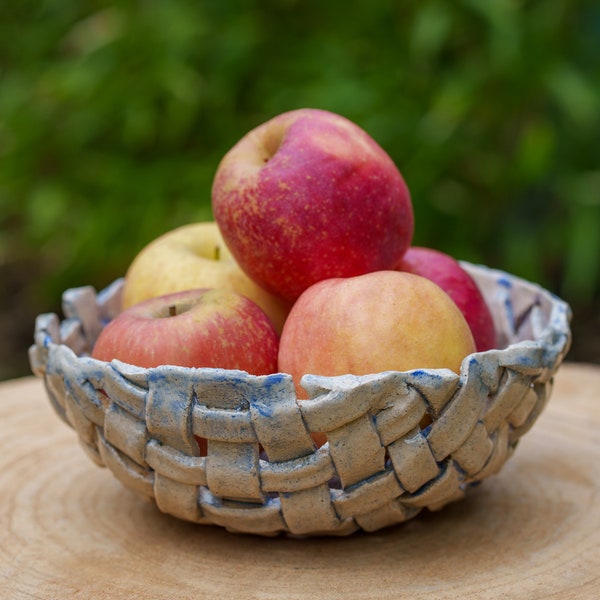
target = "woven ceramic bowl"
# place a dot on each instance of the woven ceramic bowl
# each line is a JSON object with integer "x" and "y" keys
{"x": 262, "y": 474}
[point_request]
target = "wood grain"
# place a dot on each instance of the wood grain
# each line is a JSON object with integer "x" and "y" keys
{"x": 68, "y": 529}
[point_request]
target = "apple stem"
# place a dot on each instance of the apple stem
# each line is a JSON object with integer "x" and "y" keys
{"x": 172, "y": 310}
{"x": 217, "y": 255}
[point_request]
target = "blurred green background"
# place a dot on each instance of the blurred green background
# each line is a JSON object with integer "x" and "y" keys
{"x": 114, "y": 116}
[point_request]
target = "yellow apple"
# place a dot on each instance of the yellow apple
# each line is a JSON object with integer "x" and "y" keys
{"x": 194, "y": 256}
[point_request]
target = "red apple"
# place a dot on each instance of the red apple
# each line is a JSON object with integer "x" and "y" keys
{"x": 381, "y": 321}
{"x": 192, "y": 328}
{"x": 308, "y": 196}
{"x": 446, "y": 271}
{"x": 194, "y": 256}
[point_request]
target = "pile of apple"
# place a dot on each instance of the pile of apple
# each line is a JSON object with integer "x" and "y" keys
{"x": 307, "y": 268}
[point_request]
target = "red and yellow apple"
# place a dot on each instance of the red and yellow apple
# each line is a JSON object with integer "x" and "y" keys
{"x": 381, "y": 321}
{"x": 194, "y": 256}
{"x": 193, "y": 328}
{"x": 447, "y": 272}
{"x": 308, "y": 196}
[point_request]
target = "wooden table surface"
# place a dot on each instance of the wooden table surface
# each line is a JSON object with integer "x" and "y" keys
{"x": 68, "y": 529}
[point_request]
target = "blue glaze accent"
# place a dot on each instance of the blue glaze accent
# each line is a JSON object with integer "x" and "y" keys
{"x": 504, "y": 282}
{"x": 421, "y": 374}
{"x": 222, "y": 375}
{"x": 527, "y": 360}
{"x": 473, "y": 361}
{"x": 510, "y": 312}
{"x": 426, "y": 377}
{"x": 265, "y": 409}
{"x": 276, "y": 378}
{"x": 270, "y": 393}
{"x": 173, "y": 397}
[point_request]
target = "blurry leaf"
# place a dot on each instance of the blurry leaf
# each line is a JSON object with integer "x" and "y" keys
{"x": 582, "y": 248}
{"x": 450, "y": 197}
{"x": 536, "y": 150}
{"x": 47, "y": 206}
{"x": 504, "y": 21}
{"x": 575, "y": 94}
{"x": 582, "y": 277}
{"x": 453, "y": 99}
{"x": 520, "y": 252}
{"x": 430, "y": 29}
{"x": 94, "y": 31}
{"x": 583, "y": 189}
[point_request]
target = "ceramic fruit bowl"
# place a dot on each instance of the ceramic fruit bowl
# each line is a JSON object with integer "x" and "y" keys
{"x": 227, "y": 448}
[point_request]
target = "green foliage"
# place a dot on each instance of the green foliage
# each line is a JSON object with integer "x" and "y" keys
{"x": 114, "y": 116}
